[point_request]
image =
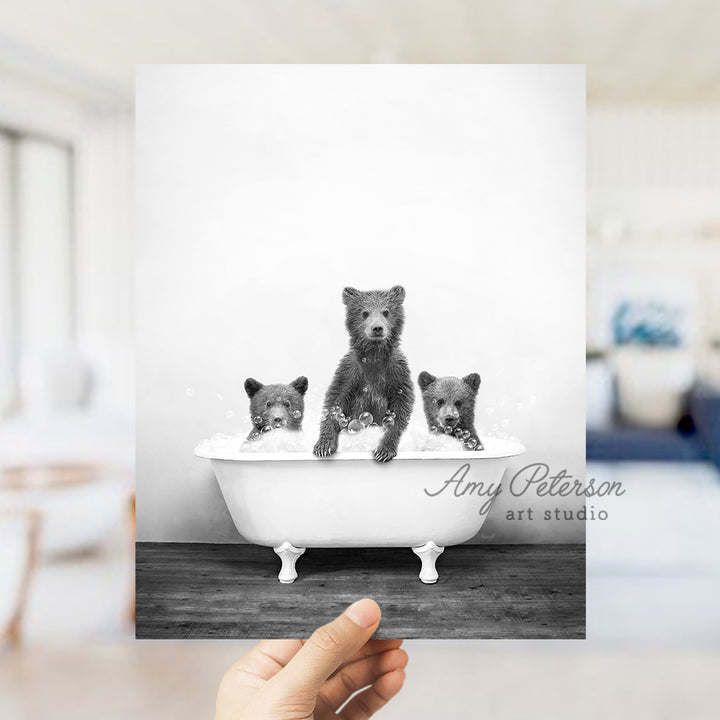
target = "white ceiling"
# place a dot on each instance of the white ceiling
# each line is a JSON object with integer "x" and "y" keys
{"x": 635, "y": 50}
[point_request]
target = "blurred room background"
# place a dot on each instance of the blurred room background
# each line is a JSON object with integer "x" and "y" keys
{"x": 653, "y": 344}
{"x": 653, "y": 368}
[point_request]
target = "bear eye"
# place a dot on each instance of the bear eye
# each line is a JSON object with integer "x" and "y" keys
{"x": 365, "y": 313}
{"x": 440, "y": 402}
{"x": 286, "y": 404}
{"x": 386, "y": 313}
{"x": 457, "y": 403}
{"x": 268, "y": 404}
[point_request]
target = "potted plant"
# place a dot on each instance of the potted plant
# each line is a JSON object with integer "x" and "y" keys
{"x": 654, "y": 368}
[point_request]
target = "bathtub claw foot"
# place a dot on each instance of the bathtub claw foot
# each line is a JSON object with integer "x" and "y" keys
{"x": 428, "y": 554}
{"x": 289, "y": 554}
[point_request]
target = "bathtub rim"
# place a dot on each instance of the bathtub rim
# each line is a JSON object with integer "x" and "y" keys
{"x": 514, "y": 450}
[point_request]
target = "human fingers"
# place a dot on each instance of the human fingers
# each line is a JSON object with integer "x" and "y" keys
{"x": 365, "y": 704}
{"x": 329, "y": 647}
{"x": 358, "y": 675}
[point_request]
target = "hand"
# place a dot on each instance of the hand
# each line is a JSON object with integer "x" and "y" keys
{"x": 311, "y": 680}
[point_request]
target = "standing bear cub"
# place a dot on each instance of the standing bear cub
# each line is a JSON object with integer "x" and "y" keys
{"x": 450, "y": 406}
{"x": 373, "y": 377}
{"x": 276, "y": 406}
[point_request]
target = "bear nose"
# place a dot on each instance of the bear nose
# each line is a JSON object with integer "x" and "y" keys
{"x": 449, "y": 419}
{"x": 377, "y": 330}
{"x": 277, "y": 419}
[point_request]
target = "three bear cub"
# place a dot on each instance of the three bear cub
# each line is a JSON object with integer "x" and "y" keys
{"x": 372, "y": 378}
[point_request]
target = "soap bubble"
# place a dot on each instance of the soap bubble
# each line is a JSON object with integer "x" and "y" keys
{"x": 297, "y": 414}
{"x": 366, "y": 419}
{"x": 229, "y": 414}
{"x": 278, "y": 399}
{"x": 257, "y": 420}
{"x": 355, "y": 426}
{"x": 363, "y": 360}
{"x": 471, "y": 443}
{"x": 448, "y": 430}
{"x": 266, "y": 428}
{"x": 434, "y": 429}
{"x": 365, "y": 389}
{"x": 489, "y": 411}
{"x": 341, "y": 420}
{"x": 466, "y": 435}
{"x": 400, "y": 391}
{"x": 323, "y": 414}
{"x": 388, "y": 421}
{"x": 458, "y": 433}
{"x": 189, "y": 392}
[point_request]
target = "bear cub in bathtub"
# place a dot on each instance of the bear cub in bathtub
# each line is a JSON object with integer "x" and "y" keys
{"x": 276, "y": 406}
{"x": 374, "y": 375}
{"x": 449, "y": 404}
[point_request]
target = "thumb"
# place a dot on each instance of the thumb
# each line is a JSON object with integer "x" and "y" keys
{"x": 328, "y": 648}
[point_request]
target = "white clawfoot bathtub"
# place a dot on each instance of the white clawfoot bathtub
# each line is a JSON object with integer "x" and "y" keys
{"x": 421, "y": 500}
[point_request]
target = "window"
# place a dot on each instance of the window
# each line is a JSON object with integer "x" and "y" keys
{"x": 37, "y": 266}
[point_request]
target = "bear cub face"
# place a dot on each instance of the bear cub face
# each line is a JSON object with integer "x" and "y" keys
{"x": 374, "y": 317}
{"x": 449, "y": 401}
{"x": 277, "y": 406}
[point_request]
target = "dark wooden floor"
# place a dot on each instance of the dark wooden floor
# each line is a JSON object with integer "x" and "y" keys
{"x": 484, "y": 591}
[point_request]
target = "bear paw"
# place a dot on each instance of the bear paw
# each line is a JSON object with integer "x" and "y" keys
{"x": 325, "y": 447}
{"x": 384, "y": 453}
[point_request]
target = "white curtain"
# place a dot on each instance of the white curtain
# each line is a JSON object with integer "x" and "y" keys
{"x": 8, "y": 348}
{"x": 45, "y": 255}
{"x": 37, "y": 282}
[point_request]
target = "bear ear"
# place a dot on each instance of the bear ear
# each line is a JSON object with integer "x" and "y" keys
{"x": 473, "y": 380}
{"x": 350, "y": 294}
{"x": 252, "y": 386}
{"x": 425, "y": 379}
{"x": 397, "y": 293}
{"x": 300, "y": 384}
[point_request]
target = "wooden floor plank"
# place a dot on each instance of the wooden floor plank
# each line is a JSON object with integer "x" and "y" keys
{"x": 192, "y": 590}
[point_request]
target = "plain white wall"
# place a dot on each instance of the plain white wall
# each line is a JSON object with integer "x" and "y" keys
{"x": 105, "y": 255}
{"x": 263, "y": 190}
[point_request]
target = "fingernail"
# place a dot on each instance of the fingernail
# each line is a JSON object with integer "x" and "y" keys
{"x": 364, "y": 613}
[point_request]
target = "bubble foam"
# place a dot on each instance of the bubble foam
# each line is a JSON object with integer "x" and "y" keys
{"x": 415, "y": 439}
